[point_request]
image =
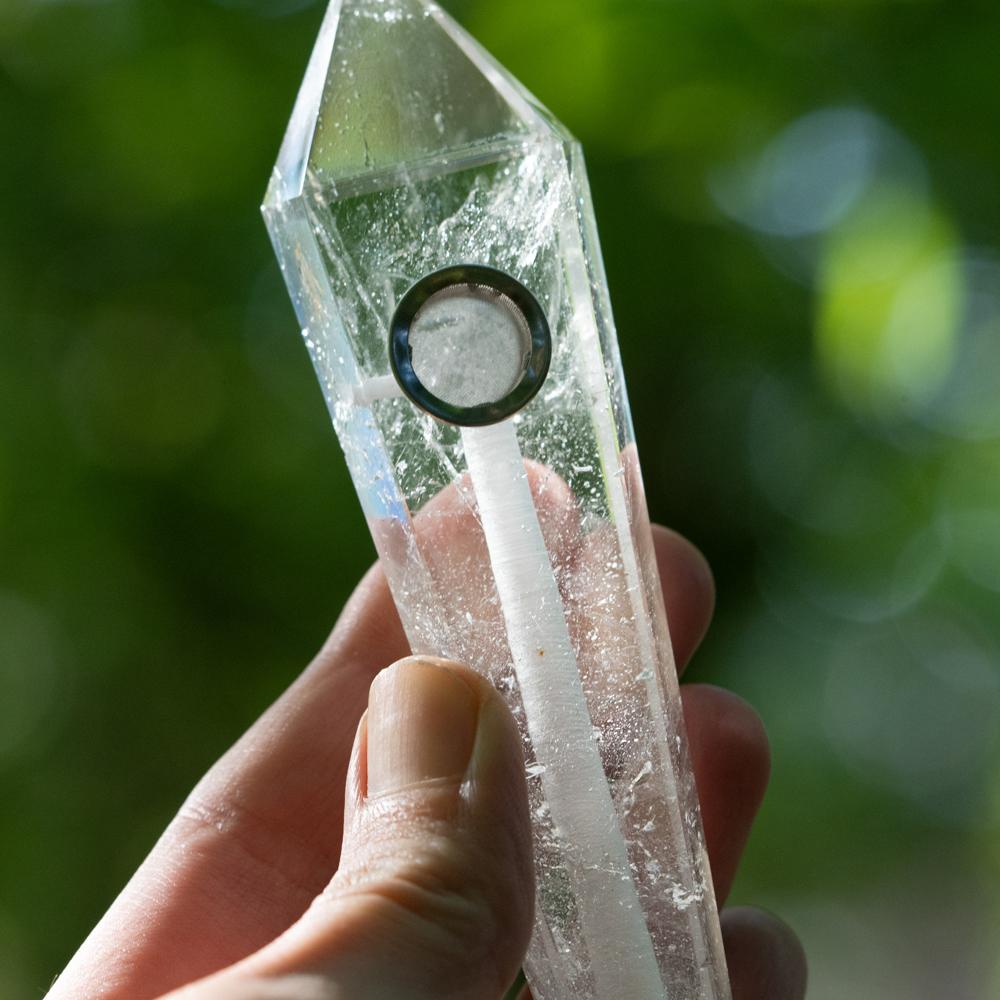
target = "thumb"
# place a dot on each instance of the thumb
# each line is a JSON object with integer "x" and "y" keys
{"x": 434, "y": 893}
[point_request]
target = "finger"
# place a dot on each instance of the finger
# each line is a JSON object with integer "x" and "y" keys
{"x": 732, "y": 762}
{"x": 688, "y": 591}
{"x": 688, "y": 587}
{"x": 435, "y": 891}
{"x": 766, "y": 960}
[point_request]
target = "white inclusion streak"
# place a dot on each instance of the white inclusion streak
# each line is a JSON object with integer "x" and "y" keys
{"x": 381, "y": 387}
{"x": 619, "y": 946}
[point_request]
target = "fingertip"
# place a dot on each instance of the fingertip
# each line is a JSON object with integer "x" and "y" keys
{"x": 422, "y": 721}
{"x": 731, "y": 757}
{"x": 688, "y": 591}
{"x": 765, "y": 957}
{"x": 728, "y": 726}
{"x": 558, "y": 510}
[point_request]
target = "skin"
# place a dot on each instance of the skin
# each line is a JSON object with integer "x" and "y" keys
{"x": 284, "y": 875}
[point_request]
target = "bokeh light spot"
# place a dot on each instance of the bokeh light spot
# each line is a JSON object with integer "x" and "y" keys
{"x": 890, "y": 300}
{"x": 870, "y": 577}
{"x": 806, "y": 178}
{"x": 974, "y": 542}
{"x": 918, "y": 712}
{"x": 967, "y": 403}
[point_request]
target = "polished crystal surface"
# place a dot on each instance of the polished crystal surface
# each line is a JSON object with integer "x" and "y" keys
{"x": 410, "y": 149}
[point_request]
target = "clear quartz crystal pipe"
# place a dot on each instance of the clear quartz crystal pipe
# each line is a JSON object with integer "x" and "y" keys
{"x": 619, "y": 948}
{"x": 409, "y": 150}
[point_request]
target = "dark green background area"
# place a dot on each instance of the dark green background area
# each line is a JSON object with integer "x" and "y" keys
{"x": 814, "y": 408}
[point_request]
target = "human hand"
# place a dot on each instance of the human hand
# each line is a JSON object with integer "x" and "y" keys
{"x": 268, "y": 884}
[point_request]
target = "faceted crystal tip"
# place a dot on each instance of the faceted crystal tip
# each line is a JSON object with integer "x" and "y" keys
{"x": 391, "y": 84}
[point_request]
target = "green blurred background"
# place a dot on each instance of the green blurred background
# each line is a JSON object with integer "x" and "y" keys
{"x": 800, "y": 215}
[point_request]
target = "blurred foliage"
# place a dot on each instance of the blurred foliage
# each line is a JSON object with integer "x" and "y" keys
{"x": 801, "y": 221}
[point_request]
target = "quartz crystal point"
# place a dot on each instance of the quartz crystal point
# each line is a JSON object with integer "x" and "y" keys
{"x": 409, "y": 150}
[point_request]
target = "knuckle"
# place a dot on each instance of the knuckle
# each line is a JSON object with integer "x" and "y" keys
{"x": 434, "y": 889}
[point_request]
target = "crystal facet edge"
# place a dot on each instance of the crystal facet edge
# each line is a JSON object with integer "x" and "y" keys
{"x": 293, "y": 157}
